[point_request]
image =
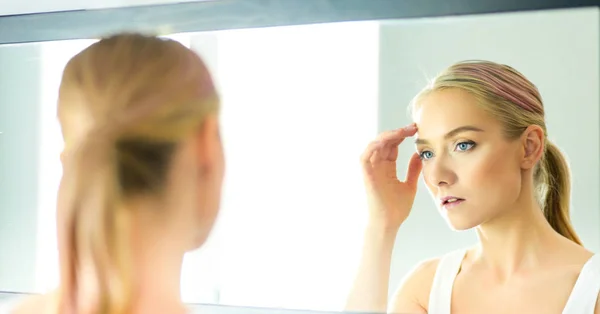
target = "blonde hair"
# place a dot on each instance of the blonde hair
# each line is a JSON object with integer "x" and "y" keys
{"x": 516, "y": 102}
{"x": 125, "y": 103}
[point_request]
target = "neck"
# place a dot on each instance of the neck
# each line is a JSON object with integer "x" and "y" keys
{"x": 156, "y": 257}
{"x": 518, "y": 240}
{"x": 158, "y": 274}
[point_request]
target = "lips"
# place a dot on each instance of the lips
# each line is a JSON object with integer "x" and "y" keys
{"x": 451, "y": 200}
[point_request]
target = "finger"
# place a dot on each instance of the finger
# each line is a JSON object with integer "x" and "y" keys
{"x": 380, "y": 153}
{"x": 415, "y": 165}
{"x": 385, "y": 144}
{"x": 378, "y": 150}
{"x": 391, "y": 153}
{"x": 371, "y": 154}
{"x": 395, "y": 137}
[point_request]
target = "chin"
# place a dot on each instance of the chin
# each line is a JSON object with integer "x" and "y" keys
{"x": 460, "y": 224}
{"x": 200, "y": 237}
{"x": 198, "y": 242}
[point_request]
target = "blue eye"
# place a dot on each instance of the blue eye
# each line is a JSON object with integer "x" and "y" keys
{"x": 464, "y": 146}
{"x": 426, "y": 155}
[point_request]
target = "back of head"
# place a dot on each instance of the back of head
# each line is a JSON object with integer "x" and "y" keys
{"x": 125, "y": 103}
{"x": 513, "y": 100}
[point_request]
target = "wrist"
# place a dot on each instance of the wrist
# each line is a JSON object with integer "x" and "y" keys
{"x": 381, "y": 232}
{"x": 385, "y": 228}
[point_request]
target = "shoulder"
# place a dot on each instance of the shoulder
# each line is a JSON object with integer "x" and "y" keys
{"x": 423, "y": 273}
{"x": 412, "y": 296}
{"x": 597, "y": 308}
{"x": 38, "y": 304}
{"x": 587, "y": 283}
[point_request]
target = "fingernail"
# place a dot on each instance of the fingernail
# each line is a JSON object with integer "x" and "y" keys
{"x": 410, "y": 127}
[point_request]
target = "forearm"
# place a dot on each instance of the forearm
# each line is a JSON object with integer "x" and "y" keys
{"x": 369, "y": 292}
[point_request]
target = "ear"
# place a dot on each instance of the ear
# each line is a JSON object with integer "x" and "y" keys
{"x": 532, "y": 140}
{"x": 208, "y": 143}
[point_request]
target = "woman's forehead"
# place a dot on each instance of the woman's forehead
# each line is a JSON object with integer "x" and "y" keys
{"x": 443, "y": 111}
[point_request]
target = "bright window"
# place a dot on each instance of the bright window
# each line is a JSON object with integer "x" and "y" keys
{"x": 299, "y": 106}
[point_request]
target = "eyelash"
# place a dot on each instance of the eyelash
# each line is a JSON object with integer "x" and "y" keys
{"x": 470, "y": 145}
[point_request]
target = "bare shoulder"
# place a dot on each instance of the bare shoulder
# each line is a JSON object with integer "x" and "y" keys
{"x": 573, "y": 252}
{"x": 38, "y": 304}
{"x": 412, "y": 296}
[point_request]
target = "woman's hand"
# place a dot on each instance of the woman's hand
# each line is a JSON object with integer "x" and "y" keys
{"x": 390, "y": 200}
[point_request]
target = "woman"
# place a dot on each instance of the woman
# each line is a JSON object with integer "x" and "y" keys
{"x": 143, "y": 168}
{"x": 486, "y": 159}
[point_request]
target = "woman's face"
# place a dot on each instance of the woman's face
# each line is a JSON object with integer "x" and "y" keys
{"x": 472, "y": 171}
{"x": 208, "y": 194}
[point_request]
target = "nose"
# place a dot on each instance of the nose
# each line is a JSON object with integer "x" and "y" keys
{"x": 439, "y": 172}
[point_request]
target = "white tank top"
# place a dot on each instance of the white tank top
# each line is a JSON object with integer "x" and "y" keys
{"x": 581, "y": 301}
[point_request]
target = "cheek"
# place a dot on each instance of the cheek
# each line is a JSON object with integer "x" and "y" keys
{"x": 223, "y": 163}
{"x": 495, "y": 175}
{"x": 431, "y": 186}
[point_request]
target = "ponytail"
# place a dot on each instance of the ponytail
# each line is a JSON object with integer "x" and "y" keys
{"x": 556, "y": 192}
{"x": 95, "y": 229}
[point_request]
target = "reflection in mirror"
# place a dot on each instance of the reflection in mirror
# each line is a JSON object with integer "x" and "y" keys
{"x": 300, "y": 104}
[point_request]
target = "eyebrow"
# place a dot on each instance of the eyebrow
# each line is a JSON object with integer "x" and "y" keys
{"x": 454, "y": 132}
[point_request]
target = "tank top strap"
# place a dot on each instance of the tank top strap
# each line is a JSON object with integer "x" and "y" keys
{"x": 441, "y": 288}
{"x": 587, "y": 287}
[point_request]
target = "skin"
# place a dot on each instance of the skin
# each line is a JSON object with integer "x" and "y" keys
{"x": 520, "y": 262}
{"x": 164, "y": 229}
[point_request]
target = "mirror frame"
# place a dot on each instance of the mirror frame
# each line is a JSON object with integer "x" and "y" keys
{"x": 210, "y": 15}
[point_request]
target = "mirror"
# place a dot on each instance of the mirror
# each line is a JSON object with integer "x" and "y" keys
{"x": 300, "y": 103}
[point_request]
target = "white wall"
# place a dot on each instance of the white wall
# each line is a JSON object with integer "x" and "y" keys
{"x": 20, "y": 94}
{"x": 10, "y": 7}
{"x": 556, "y": 50}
